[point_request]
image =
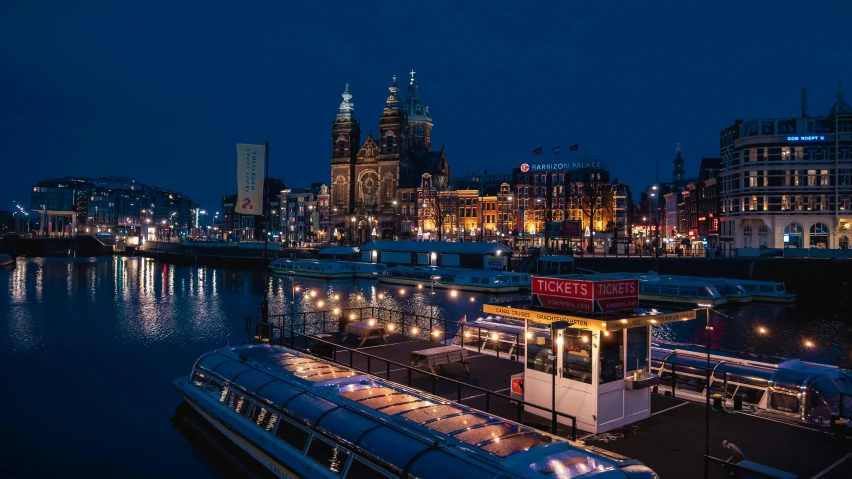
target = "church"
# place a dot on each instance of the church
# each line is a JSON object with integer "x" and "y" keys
{"x": 368, "y": 179}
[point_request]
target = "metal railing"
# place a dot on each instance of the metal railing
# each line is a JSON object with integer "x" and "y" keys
{"x": 673, "y": 377}
{"x": 259, "y": 330}
{"x": 429, "y": 328}
{"x": 735, "y": 470}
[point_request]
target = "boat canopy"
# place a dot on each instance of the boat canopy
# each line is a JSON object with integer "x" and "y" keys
{"x": 335, "y": 251}
{"x": 354, "y": 409}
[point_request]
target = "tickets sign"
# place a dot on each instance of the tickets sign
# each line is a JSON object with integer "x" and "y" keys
{"x": 586, "y": 296}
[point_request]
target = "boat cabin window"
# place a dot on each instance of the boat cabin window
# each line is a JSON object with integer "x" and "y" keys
{"x": 238, "y": 403}
{"x": 360, "y": 470}
{"x": 474, "y": 279}
{"x": 784, "y": 402}
{"x": 577, "y": 355}
{"x": 328, "y": 455}
{"x": 750, "y": 287}
{"x": 292, "y": 434}
{"x": 612, "y": 357}
{"x": 637, "y": 348}
{"x": 669, "y": 289}
{"x": 216, "y": 390}
{"x": 779, "y": 288}
{"x": 766, "y": 288}
{"x": 539, "y": 347}
{"x": 199, "y": 377}
{"x": 263, "y": 417}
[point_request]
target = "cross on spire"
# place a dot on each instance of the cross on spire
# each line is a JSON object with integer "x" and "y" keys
{"x": 412, "y": 77}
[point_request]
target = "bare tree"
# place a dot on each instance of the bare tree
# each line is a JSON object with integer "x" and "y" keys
{"x": 595, "y": 197}
{"x": 441, "y": 203}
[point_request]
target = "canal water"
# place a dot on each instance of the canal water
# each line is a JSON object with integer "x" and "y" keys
{"x": 89, "y": 347}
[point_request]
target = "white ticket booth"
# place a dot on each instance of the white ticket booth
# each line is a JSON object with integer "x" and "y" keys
{"x": 602, "y": 373}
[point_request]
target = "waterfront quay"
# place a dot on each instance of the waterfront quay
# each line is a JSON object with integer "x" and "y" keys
{"x": 671, "y": 441}
{"x": 91, "y": 346}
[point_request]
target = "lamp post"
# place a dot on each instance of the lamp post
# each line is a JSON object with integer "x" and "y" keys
{"x": 295, "y": 286}
{"x": 707, "y": 328}
{"x": 433, "y": 279}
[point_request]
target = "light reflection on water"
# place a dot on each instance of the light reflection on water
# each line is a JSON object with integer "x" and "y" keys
{"x": 105, "y": 329}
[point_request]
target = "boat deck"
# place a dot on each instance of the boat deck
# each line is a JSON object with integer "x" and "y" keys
{"x": 671, "y": 441}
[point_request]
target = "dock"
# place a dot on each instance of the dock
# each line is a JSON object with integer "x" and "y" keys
{"x": 671, "y": 441}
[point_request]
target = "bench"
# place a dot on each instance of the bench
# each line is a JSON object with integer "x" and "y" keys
{"x": 439, "y": 356}
{"x": 364, "y": 331}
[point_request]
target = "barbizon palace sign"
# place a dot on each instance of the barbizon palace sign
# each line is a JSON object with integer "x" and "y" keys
{"x": 525, "y": 167}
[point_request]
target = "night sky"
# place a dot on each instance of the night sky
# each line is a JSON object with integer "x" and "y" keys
{"x": 162, "y": 91}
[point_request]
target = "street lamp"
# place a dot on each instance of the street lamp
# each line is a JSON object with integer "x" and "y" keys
{"x": 296, "y": 287}
{"x": 433, "y": 279}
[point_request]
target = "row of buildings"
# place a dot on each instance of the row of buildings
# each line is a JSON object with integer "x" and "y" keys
{"x": 777, "y": 183}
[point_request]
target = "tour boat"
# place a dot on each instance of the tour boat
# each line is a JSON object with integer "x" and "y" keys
{"x": 301, "y": 416}
{"x": 768, "y": 291}
{"x": 780, "y": 387}
{"x": 731, "y": 289}
{"x": 679, "y": 291}
{"x": 6, "y": 260}
{"x": 451, "y": 278}
{"x": 522, "y": 280}
{"x": 327, "y": 269}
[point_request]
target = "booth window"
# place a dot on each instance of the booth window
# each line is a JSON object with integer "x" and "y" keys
{"x": 637, "y": 348}
{"x": 577, "y": 355}
{"x": 612, "y": 357}
{"x": 539, "y": 347}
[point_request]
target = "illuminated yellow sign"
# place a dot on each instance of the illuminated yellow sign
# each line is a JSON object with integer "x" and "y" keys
{"x": 588, "y": 323}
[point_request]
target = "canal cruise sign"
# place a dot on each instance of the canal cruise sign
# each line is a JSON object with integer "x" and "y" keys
{"x": 586, "y": 296}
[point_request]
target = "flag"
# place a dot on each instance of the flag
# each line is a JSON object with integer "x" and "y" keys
{"x": 250, "y": 163}
{"x": 574, "y": 147}
{"x": 463, "y": 319}
{"x": 537, "y": 151}
{"x": 555, "y": 150}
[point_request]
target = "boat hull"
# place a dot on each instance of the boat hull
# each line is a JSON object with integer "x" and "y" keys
{"x": 275, "y": 466}
{"x": 681, "y": 300}
{"x": 313, "y": 274}
{"x": 460, "y": 287}
{"x": 775, "y": 299}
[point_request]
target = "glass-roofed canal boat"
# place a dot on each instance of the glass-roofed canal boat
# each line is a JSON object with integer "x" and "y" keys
{"x": 305, "y": 417}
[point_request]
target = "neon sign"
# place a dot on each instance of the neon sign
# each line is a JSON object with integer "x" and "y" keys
{"x": 525, "y": 167}
{"x": 806, "y": 138}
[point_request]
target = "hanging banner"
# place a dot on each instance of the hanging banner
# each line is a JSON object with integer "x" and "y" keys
{"x": 250, "y": 159}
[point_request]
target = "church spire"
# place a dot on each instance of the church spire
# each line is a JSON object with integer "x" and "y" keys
{"x": 412, "y": 87}
{"x": 393, "y": 100}
{"x": 679, "y": 173}
{"x": 347, "y": 108}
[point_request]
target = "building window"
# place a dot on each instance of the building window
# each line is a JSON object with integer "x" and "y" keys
{"x": 785, "y": 153}
{"x": 752, "y": 178}
{"x": 747, "y": 237}
{"x": 763, "y": 237}
{"x": 793, "y": 233}
{"x": 785, "y": 203}
{"x": 819, "y": 236}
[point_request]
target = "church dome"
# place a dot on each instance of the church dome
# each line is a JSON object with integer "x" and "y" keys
{"x": 840, "y": 106}
{"x": 413, "y": 108}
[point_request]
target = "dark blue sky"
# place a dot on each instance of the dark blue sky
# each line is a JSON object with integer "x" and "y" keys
{"x": 162, "y": 91}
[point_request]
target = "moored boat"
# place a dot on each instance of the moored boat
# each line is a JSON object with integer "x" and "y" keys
{"x": 731, "y": 289}
{"x": 450, "y": 278}
{"x": 768, "y": 291}
{"x": 300, "y": 416}
{"x": 327, "y": 269}
{"x": 6, "y": 260}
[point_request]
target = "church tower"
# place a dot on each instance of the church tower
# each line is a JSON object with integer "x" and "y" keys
{"x": 679, "y": 174}
{"x": 391, "y": 125}
{"x": 346, "y": 141}
{"x": 419, "y": 128}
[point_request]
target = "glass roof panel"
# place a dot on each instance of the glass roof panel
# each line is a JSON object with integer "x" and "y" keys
{"x": 390, "y": 411}
{"x": 345, "y": 424}
{"x": 367, "y": 393}
{"x": 455, "y": 423}
{"x": 230, "y": 369}
{"x": 424, "y": 414}
{"x": 514, "y": 444}
{"x": 486, "y": 433}
{"x": 211, "y": 361}
{"x": 440, "y": 465}
{"x": 392, "y": 447}
{"x": 328, "y": 375}
{"x": 308, "y": 407}
{"x": 278, "y": 392}
{"x": 253, "y": 379}
{"x": 304, "y": 366}
{"x": 388, "y": 400}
